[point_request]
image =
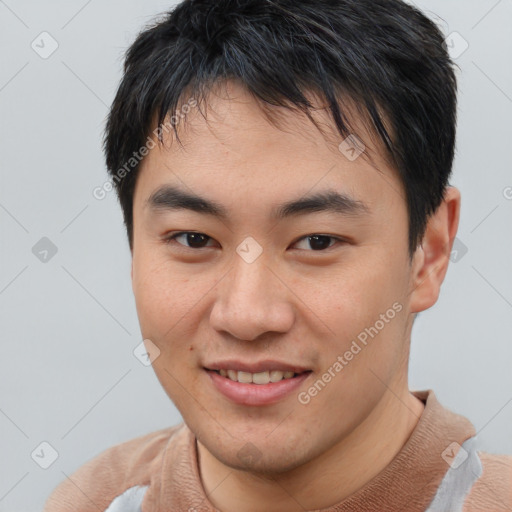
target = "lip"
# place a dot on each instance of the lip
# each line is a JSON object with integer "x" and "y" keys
{"x": 256, "y": 394}
{"x": 260, "y": 366}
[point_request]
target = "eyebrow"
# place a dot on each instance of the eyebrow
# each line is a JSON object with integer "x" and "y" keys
{"x": 169, "y": 198}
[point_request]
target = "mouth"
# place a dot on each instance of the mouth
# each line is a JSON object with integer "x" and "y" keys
{"x": 256, "y": 389}
{"x": 259, "y": 378}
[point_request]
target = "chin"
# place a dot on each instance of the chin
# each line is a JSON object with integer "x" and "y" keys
{"x": 260, "y": 456}
{"x": 264, "y": 465}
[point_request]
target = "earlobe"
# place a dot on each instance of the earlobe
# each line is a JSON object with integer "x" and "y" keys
{"x": 431, "y": 259}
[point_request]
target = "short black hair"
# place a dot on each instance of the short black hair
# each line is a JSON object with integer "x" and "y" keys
{"x": 385, "y": 56}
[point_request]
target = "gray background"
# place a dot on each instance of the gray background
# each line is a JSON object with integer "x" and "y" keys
{"x": 69, "y": 326}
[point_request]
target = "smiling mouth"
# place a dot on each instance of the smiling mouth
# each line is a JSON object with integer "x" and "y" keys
{"x": 265, "y": 377}
{"x": 262, "y": 388}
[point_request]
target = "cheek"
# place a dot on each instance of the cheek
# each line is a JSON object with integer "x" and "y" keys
{"x": 170, "y": 303}
{"x": 356, "y": 297}
{"x": 363, "y": 316}
{"x": 158, "y": 295}
{"x": 165, "y": 307}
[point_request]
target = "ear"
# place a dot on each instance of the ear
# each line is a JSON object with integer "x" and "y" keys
{"x": 431, "y": 259}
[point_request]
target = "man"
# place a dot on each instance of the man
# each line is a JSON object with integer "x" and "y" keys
{"x": 283, "y": 166}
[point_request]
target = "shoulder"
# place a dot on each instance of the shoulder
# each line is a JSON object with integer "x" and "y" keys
{"x": 492, "y": 491}
{"x": 109, "y": 474}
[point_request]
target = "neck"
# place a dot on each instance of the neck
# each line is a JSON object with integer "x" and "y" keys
{"x": 328, "y": 479}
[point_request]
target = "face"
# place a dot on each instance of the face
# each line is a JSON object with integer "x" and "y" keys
{"x": 322, "y": 288}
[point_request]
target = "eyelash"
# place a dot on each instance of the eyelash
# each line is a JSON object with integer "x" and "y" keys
{"x": 172, "y": 239}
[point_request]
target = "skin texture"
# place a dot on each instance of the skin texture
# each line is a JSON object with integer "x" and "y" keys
{"x": 293, "y": 303}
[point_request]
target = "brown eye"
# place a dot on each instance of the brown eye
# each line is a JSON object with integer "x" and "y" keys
{"x": 319, "y": 242}
{"x": 191, "y": 239}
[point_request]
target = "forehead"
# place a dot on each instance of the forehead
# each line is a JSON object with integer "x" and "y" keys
{"x": 232, "y": 144}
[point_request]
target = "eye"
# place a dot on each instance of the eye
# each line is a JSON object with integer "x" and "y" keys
{"x": 319, "y": 242}
{"x": 193, "y": 239}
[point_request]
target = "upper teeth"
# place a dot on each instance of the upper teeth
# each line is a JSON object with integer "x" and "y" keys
{"x": 257, "y": 378}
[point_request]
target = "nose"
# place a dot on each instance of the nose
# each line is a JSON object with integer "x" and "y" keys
{"x": 251, "y": 300}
